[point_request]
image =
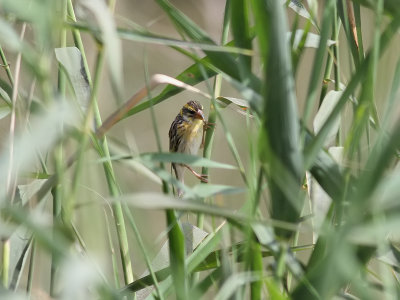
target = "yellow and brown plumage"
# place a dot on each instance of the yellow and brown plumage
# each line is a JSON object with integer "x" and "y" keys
{"x": 186, "y": 135}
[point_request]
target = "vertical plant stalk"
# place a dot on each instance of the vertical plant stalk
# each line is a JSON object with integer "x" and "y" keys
{"x": 102, "y": 147}
{"x": 256, "y": 266}
{"x": 332, "y": 60}
{"x": 57, "y": 190}
{"x": 176, "y": 241}
{"x": 11, "y": 183}
{"x": 84, "y": 139}
{"x": 336, "y": 67}
{"x": 335, "y": 35}
{"x": 212, "y": 115}
{"x": 112, "y": 185}
{"x": 239, "y": 18}
{"x": 366, "y": 107}
{"x": 318, "y": 61}
{"x": 6, "y": 66}
{"x": 121, "y": 231}
{"x": 125, "y": 207}
{"x": 139, "y": 239}
{"x": 113, "y": 257}
{"x": 78, "y": 41}
{"x": 11, "y": 180}
{"x": 56, "y": 193}
{"x": 279, "y": 137}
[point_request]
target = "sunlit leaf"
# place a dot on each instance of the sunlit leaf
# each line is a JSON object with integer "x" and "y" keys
{"x": 299, "y": 8}
{"x": 312, "y": 39}
{"x": 225, "y": 101}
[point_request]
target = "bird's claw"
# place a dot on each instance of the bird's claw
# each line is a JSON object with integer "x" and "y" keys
{"x": 202, "y": 177}
{"x": 205, "y": 127}
{"x": 208, "y": 125}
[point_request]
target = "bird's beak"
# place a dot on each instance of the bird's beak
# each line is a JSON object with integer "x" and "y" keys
{"x": 200, "y": 115}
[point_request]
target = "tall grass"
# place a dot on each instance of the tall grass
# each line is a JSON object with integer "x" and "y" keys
{"x": 318, "y": 174}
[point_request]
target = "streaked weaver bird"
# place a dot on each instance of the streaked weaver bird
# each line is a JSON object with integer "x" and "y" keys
{"x": 186, "y": 135}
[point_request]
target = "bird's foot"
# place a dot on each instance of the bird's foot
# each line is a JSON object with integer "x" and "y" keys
{"x": 205, "y": 127}
{"x": 202, "y": 177}
{"x": 208, "y": 125}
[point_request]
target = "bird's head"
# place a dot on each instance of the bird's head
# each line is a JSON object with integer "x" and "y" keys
{"x": 192, "y": 111}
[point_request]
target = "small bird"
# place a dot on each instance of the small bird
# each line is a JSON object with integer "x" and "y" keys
{"x": 186, "y": 135}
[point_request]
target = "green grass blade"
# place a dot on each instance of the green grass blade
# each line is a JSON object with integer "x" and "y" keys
{"x": 176, "y": 242}
{"x": 256, "y": 266}
{"x": 315, "y": 79}
{"x": 241, "y": 32}
{"x": 345, "y": 18}
{"x": 326, "y": 171}
{"x": 212, "y": 113}
{"x": 312, "y": 150}
{"x": 148, "y": 37}
{"x": 280, "y": 133}
{"x": 366, "y": 106}
{"x": 357, "y": 15}
{"x": 224, "y": 62}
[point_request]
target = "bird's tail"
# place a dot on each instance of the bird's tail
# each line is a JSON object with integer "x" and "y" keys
{"x": 178, "y": 170}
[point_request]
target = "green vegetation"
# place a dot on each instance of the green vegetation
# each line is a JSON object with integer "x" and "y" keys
{"x": 319, "y": 180}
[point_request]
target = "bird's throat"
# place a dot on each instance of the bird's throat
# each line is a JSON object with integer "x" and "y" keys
{"x": 194, "y": 134}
